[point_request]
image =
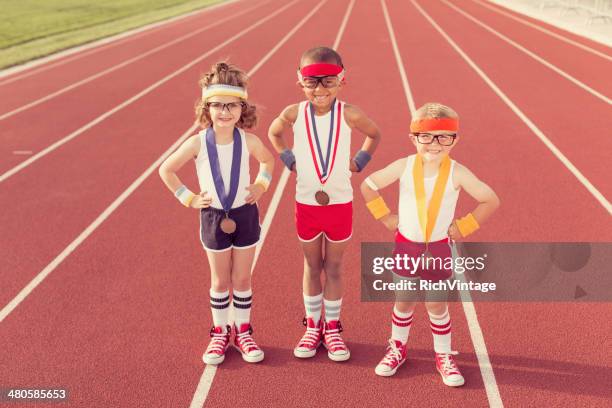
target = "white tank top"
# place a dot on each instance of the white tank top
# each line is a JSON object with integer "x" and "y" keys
{"x": 225, "y": 162}
{"x": 338, "y": 184}
{"x": 409, "y": 225}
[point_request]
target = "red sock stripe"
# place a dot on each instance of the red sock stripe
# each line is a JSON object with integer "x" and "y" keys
{"x": 440, "y": 326}
{"x": 441, "y": 333}
{"x": 402, "y": 324}
{"x": 401, "y": 321}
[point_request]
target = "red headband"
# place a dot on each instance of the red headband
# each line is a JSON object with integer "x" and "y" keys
{"x": 321, "y": 69}
{"x": 426, "y": 125}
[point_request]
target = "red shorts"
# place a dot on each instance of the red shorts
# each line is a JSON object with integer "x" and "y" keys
{"x": 335, "y": 221}
{"x": 438, "y": 270}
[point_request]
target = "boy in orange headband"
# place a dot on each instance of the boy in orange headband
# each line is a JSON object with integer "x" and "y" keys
{"x": 321, "y": 156}
{"x": 429, "y": 187}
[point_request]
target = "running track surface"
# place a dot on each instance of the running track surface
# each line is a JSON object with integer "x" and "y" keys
{"x": 123, "y": 319}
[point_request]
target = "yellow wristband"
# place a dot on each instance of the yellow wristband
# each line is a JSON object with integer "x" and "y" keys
{"x": 378, "y": 208}
{"x": 467, "y": 225}
{"x": 262, "y": 182}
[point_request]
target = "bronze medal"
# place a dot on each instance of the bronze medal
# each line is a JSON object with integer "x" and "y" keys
{"x": 322, "y": 197}
{"x": 228, "y": 225}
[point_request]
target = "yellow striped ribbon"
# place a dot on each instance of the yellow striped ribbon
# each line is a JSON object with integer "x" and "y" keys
{"x": 428, "y": 217}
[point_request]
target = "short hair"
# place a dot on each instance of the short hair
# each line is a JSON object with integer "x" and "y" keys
{"x": 321, "y": 54}
{"x": 226, "y": 74}
{"x": 434, "y": 110}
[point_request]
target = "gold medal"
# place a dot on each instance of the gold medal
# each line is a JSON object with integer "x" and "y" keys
{"x": 228, "y": 225}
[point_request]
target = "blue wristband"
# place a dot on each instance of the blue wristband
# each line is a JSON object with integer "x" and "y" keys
{"x": 361, "y": 159}
{"x": 288, "y": 158}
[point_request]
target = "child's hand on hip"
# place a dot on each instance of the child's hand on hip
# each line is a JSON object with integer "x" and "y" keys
{"x": 391, "y": 221}
{"x": 353, "y": 167}
{"x": 453, "y": 232}
{"x": 202, "y": 200}
{"x": 255, "y": 193}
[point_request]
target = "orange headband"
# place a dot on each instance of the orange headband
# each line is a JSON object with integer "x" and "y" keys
{"x": 426, "y": 125}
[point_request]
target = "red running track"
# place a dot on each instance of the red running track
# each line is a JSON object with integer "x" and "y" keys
{"x": 123, "y": 320}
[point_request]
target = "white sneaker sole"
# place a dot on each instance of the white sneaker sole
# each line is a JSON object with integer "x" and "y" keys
{"x": 388, "y": 373}
{"x": 306, "y": 354}
{"x": 452, "y": 383}
{"x": 337, "y": 357}
{"x": 250, "y": 359}
{"x": 213, "y": 360}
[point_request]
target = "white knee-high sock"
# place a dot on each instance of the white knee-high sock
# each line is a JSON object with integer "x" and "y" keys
{"x": 400, "y": 325}
{"x": 242, "y": 307}
{"x": 219, "y": 305}
{"x": 441, "y": 331}
{"x": 313, "y": 306}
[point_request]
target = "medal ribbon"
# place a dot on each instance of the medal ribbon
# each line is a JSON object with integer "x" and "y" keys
{"x": 323, "y": 174}
{"x": 428, "y": 217}
{"x": 215, "y": 169}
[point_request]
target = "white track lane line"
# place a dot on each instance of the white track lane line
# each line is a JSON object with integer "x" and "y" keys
{"x": 543, "y": 138}
{"x": 139, "y": 95}
{"x": 206, "y": 380}
{"x": 95, "y": 46}
{"x": 124, "y": 63}
{"x": 546, "y": 31}
{"x": 6, "y": 310}
{"x": 486, "y": 370}
{"x": 533, "y": 55}
{"x": 480, "y": 348}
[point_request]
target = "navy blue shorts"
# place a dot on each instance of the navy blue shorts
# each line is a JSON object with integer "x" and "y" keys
{"x": 247, "y": 228}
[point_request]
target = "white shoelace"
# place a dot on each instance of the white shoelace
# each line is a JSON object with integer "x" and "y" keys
{"x": 393, "y": 354}
{"x": 246, "y": 342}
{"x": 218, "y": 342}
{"x": 310, "y": 337}
{"x": 448, "y": 364}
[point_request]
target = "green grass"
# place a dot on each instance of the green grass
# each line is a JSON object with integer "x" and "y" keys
{"x": 34, "y": 28}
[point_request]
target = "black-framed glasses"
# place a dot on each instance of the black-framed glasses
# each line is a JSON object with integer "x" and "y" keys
{"x": 329, "y": 81}
{"x": 220, "y": 106}
{"x": 428, "y": 138}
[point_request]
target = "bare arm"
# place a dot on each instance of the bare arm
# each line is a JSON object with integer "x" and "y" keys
{"x": 383, "y": 178}
{"x": 168, "y": 169}
{"x": 266, "y": 164}
{"x": 358, "y": 120}
{"x": 280, "y": 125}
{"x": 488, "y": 201}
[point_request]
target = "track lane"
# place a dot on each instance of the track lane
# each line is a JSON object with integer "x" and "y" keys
{"x": 277, "y": 281}
{"x": 537, "y": 360}
{"x": 549, "y": 100}
{"x": 584, "y": 66}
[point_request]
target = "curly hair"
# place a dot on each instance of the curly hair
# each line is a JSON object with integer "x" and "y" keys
{"x": 226, "y": 74}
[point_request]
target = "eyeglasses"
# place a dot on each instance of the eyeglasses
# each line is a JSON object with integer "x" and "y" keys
{"x": 326, "y": 81}
{"x": 428, "y": 138}
{"x": 219, "y": 106}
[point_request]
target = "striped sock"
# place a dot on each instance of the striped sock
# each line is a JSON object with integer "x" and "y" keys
{"x": 332, "y": 309}
{"x": 441, "y": 331}
{"x": 313, "y": 307}
{"x": 219, "y": 304}
{"x": 400, "y": 325}
{"x": 242, "y": 307}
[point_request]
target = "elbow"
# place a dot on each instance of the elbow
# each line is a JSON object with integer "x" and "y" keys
{"x": 495, "y": 202}
{"x": 365, "y": 189}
